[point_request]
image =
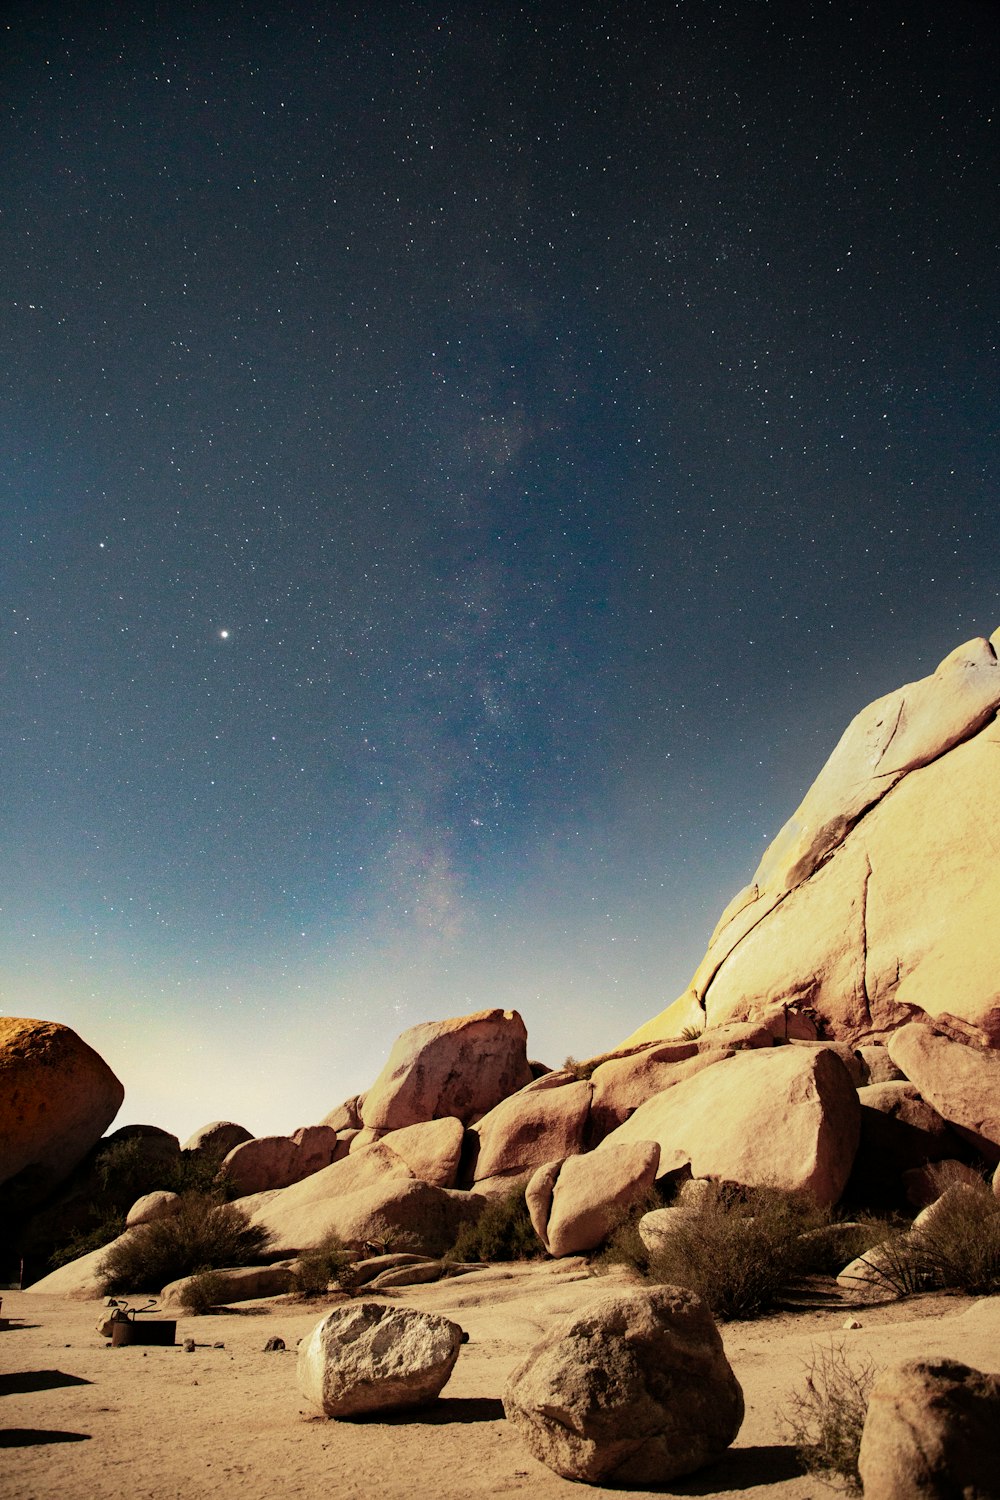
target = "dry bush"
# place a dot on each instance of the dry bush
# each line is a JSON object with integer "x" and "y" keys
{"x": 202, "y": 1236}
{"x": 205, "y": 1292}
{"x": 503, "y": 1231}
{"x": 825, "y": 1420}
{"x": 960, "y": 1249}
{"x": 315, "y": 1269}
{"x": 737, "y": 1248}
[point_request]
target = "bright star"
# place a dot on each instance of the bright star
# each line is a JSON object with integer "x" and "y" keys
{"x": 223, "y": 635}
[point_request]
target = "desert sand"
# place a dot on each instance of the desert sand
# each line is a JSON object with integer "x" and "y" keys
{"x": 80, "y": 1420}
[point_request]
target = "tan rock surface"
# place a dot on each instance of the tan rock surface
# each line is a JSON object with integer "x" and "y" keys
{"x": 218, "y": 1138}
{"x": 880, "y": 892}
{"x": 575, "y": 1204}
{"x": 152, "y": 1206}
{"x": 431, "y": 1151}
{"x": 541, "y": 1123}
{"x": 460, "y": 1067}
{"x": 785, "y": 1117}
{"x": 57, "y": 1098}
{"x": 933, "y": 1431}
{"x": 961, "y": 1082}
{"x": 365, "y": 1357}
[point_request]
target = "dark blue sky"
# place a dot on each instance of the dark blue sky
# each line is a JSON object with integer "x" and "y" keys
{"x": 462, "y": 469}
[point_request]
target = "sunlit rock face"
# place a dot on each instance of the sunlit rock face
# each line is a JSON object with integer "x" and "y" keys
{"x": 877, "y": 899}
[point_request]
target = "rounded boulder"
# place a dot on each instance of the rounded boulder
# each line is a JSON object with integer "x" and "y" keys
{"x": 366, "y": 1357}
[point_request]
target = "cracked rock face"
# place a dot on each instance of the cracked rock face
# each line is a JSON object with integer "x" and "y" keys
{"x": 877, "y": 899}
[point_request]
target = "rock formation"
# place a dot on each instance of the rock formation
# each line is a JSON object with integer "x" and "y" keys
{"x": 367, "y": 1357}
{"x": 932, "y": 1430}
{"x": 877, "y": 900}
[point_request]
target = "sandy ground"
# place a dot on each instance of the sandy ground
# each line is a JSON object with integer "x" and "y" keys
{"x": 80, "y": 1420}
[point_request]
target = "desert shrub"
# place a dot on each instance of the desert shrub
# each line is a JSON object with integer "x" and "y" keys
{"x": 736, "y": 1247}
{"x": 504, "y": 1231}
{"x": 826, "y": 1419}
{"x": 100, "y": 1230}
{"x": 959, "y": 1250}
{"x": 205, "y": 1291}
{"x": 202, "y": 1236}
{"x": 691, "y": 1033}
{"x": 315, "y": 1269}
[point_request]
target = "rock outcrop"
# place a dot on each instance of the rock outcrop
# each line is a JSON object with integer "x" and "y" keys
{"x": 545, "y": 1120}
{"x": 218, "y": 1138}
{"x": 276, "y": 1161}
{"x": 575, "y": 1204}
{"x": 786, "y": 1117}
{"x": 878, "y": 897}
{"x": 368, "y": 1357}
{"x": 461, "y": 1067}
{"x": 961, "y": 1081}
{"x": 57, "y": 1098}
{"x": 637, "y": 1391}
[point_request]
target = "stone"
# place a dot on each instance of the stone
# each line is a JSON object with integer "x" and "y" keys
{"x": 152, "y": 1206}
{"x": 932, "y": 1431}
{"x": 636, "y": 1391}
{"x": 656, "y": 1227}
{"x": 236, "y": 1284}
{"x": 879, "y": 1065}
{"x": 260, "y": 1165}
{"x": 217, "y": 1139}
{"x": 369, "y": 1357}
{"x": 461, "y": 1067}
{"x": 784, "y": 1117}
{"x": 925, "y": 1185}
{"x": 80, "y": 1279}
{"x": 873, "y": 1276}
{"x": 541, "y": 1123}
{"x": 621, "y": 1084}
{"x": 431, "y": 1150}
{"x": 962, "y": 1082}
{"x": 57, "y": 1097}
{"x": 575, "y": 1204}
{"x": 900, "y": 1131}
{"x": 317, "y": 1146}
{"x": 346, "y": 1116}
{"x": 869, "y": 907}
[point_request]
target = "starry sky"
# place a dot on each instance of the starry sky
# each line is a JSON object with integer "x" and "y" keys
{"x": 462, "y": 468}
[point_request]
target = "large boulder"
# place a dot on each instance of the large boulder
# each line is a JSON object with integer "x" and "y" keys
{"x": 233, "y": 1284}
{"x": 961, "y": 1081}
{"x": 900, "y": 1131}
{"x": 786, "y": 1117}
{"x": 932, "y": 1431}
{"x": 460, "y": 1067}
{"x": 57, "y": 1097}
{"x": 218, "y": 1138}
{"x": 867, "y": 907}
{"x": 636, "y": 1391}
{"x": 79, "y": 1279}
{"x": 276, "y": 1161}
{"x": 432, "y": 1151}
{"x": 153, "y": 1206}
{"x": 369, "y": 1357}
{"x": 545, "y": 1121}
{"x": 575, "y": 1204}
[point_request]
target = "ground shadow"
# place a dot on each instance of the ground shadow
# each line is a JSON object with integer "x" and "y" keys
{"x": 31, "y": 1437}
{"x": 444, "y": 1411}
{"x": 742, "y": 1469}
{"x": 21, "y": 1381}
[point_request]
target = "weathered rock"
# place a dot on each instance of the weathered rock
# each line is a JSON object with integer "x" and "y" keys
{"x": 932, "y": 1432}
{"x": 317, "y": 1145}
{"x": 575, "y": 1204}
{"x": 261, "y": 1165}
{"x": 236, "y": 1284}
{"x": 152, "y": 1206}
{"x": 961, "y": 1082}
{"x": 371, "y": 1197}
{"x": 856, "y": 1068}
{"x": 460, "y": 1067}
{"x": 432, "y": 1151}
{"x": 367, "y": 1357}
{"x": 623, "y": 1083}
{"x": 879, "y": 1065}
{"x": 79, "y": 1279}
{"x": 899, "y": 1131}
{"x": 364, "y": 1271}
{"x": 217, "y": 1139}
{"x": 874, "y": 1276}
{"x": 635, "y": 1391}
{"x": 656, "y": 1227}
{"x": 57, "y": 1097}
{"x": 867, "y": 906}
{"x": 541, "y": 1123}
{"x": 786, "y": 1117}
{"x": 925, "y": 1185}
{"x": 346, "y": 1116}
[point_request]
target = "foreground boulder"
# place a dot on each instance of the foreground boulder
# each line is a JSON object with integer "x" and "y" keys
{"x": 367, "y": 1357}
{"x": 635, "y": 1391}
{"x": 575, "y": 1204}
{"x": 785, "y": 1117}
{"x": 57, "y": 1098}
{"x": 961, "y": 1081}
{"x": 933, "y": 1431}
{"x": 834, "y": 918}
{"x": 460, "y": 1067}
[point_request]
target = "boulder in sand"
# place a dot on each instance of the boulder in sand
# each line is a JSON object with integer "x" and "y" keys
{"x": 785, "y": 1117}
{"x": 57, "y": 1097}
{"x": 460, "y": 1067}
{"x": 432, "y": 1151}
{"x": 961, "y": 1081}
{"x": 575, "y": 1204}
{"x": 933, "y": 1431}
{"x": 369, "y": 1357}
{"x": 636, "y": 1391}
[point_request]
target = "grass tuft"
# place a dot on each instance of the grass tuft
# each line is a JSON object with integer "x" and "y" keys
{"x": 826, "y": 1419}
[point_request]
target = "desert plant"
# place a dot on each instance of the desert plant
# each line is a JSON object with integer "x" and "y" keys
{"x": 736, "y": 1247}
{"x": 315, "y": 1269}
{"x": 691, "y": 1033}
{"x": 503, "y": 1231}
{"x": 202, "y": 1236}
{"x": 204, "y": 1291}
{"x": 959, "y": 1248}
{"x": 826, "y": 1419}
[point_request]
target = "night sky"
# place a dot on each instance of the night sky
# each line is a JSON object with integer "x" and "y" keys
{"x": 462, "y": 468}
